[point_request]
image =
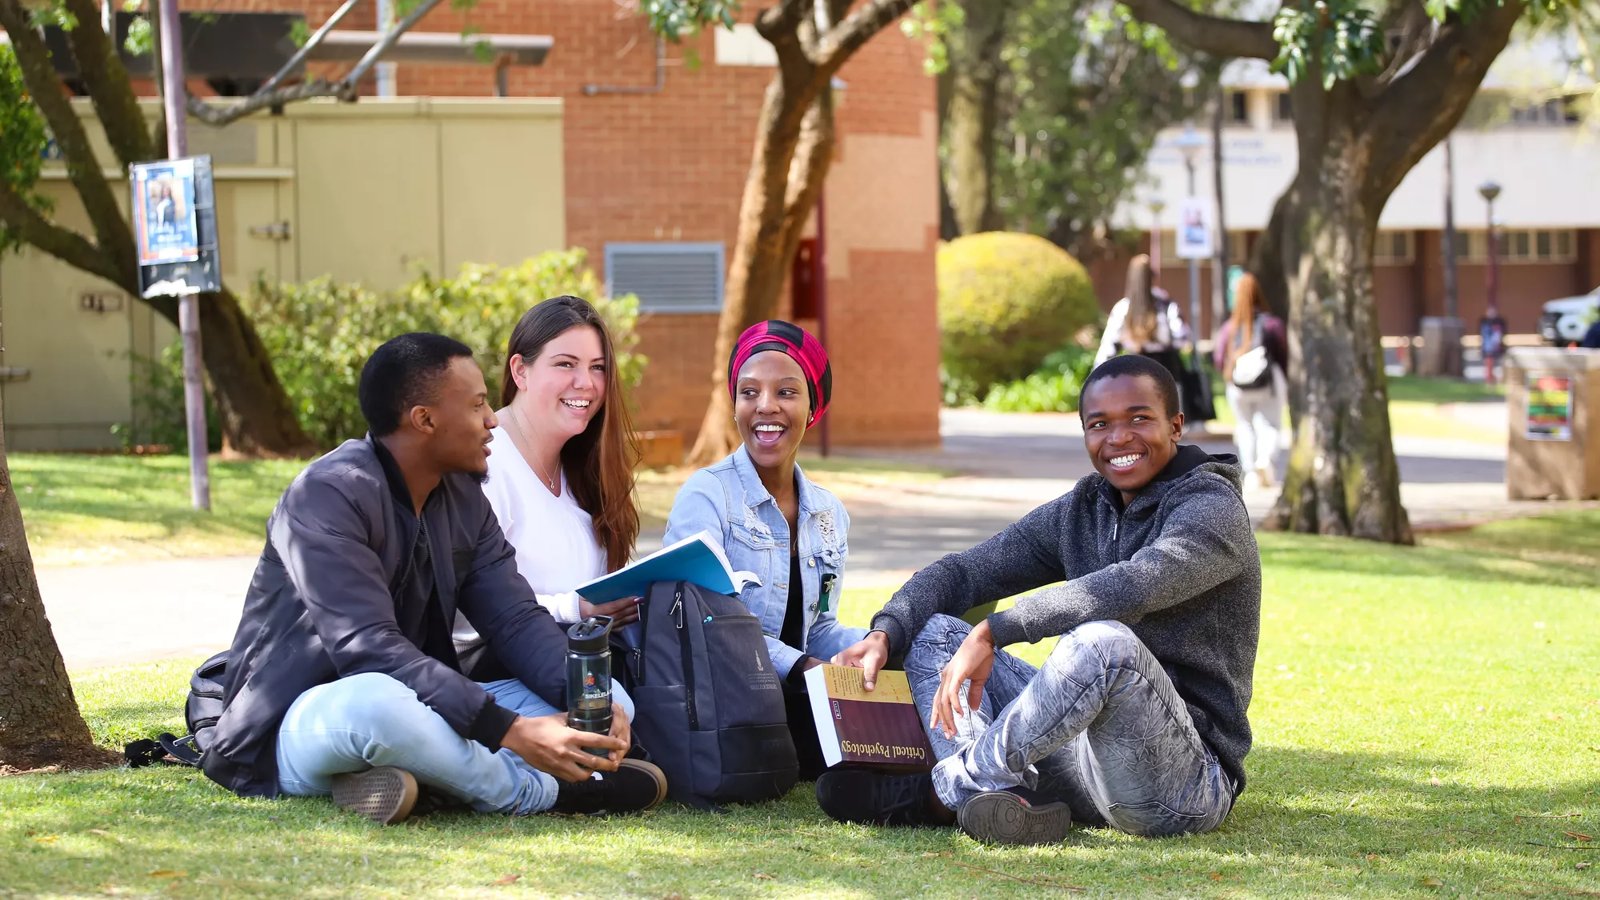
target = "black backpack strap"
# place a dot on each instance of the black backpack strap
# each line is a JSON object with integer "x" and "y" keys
{"x": 143, "y": 752}
{"x": 183, "y": 749}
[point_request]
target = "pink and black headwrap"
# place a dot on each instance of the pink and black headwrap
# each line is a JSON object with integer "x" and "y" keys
{"x": 799, "y": 345}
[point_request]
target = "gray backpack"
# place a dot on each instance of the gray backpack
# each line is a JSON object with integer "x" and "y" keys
{"x": 709, "y": 707}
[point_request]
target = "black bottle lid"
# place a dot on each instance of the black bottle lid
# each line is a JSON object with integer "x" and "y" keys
{"x": 592, "y": 635}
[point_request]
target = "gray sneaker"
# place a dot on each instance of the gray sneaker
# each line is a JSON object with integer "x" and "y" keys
{"x": 385, "y": 795}
{"x": 1002, "y": 817}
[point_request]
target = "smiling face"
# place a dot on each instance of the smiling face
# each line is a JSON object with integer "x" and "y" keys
{"x": 771, "y": 408}
{"x": 564, "y": 387}
{"x": 1130, "y": 433}
{"x": 459, "y": 418}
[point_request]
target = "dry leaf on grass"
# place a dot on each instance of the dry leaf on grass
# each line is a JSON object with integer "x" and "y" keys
{"x": 166, "y": 873}
{"x": 1577, "y": 836}
{"x": 1431, "y": 882}
{"x": 762, "y": 876}
{"x": 505, "y": 879}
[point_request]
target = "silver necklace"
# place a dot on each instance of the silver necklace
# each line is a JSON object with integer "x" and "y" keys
{"x": 516, "y": 422}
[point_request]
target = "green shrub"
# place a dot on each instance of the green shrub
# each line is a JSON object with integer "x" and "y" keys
{"x": 160, "y": 422}
{"x": 1005, "y": 301}
{"x": 1053, "y": 387}
{"x": 319, "y": 333}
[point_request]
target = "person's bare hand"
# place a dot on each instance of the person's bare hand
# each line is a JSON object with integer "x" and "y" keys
{"x": 550, "y": 746}
{"x": 622, "y": 612}
{"x": 973, "y": 662}
{"x": 868, "y": 654}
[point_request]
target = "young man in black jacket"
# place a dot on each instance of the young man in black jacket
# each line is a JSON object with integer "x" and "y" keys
{"x": 1138, "y": 717}
{"x": 343, "y": 679}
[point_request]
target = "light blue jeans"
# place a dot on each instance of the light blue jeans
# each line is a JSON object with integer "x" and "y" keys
{"x": 369, "y": 720}
{"x": 1100, "y": 727}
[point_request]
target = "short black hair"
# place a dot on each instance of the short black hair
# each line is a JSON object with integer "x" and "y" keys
{"x": 403, "y": 373}
{"x": 1135, "y": 366}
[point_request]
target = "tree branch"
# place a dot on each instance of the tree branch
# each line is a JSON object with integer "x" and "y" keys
{"x": 1216, "y": 35}
{"x": 62, "y": 243}
{"x": 851, "y": 34}
{"x": 214, "y": 114}
{"x": 107, "y": 82}
{"x": 111, "y": 228}
{"x": 1435, "y": 90}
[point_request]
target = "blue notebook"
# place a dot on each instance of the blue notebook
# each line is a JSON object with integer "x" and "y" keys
{"x": 697, "y": 559}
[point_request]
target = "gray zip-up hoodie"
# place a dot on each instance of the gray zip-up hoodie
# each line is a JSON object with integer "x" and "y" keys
{"x": 1179, "y": 566}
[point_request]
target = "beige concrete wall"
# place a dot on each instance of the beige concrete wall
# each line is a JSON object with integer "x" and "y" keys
{"x": 368, "y": 192}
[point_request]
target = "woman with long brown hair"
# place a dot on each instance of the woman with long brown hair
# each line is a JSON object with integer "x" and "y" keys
{"x": 561, "y": 468}
{"x": 1252, "y": 353}
{"x": 1144, "y": 322}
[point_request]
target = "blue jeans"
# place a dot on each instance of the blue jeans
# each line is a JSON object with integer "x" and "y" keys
{"x": 369, "y": 720}
{"x": 1100, "y": 727}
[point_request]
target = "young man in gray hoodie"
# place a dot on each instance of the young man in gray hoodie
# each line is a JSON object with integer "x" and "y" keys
{"x": 1138, "y": 718}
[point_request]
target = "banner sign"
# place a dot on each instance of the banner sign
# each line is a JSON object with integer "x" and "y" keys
{"x": 175, "y": 226}
{"x": 1549, "y": 408}
{"x": 1194, "y": 229}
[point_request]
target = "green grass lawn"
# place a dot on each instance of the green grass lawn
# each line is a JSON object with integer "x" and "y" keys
{"x": 1415, "y": 408}
{"x": 1427, "y": 723}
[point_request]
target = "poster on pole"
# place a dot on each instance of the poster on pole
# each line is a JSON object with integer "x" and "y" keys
{"x": 1194, "y": 229}
{"x": 175, "y": 226}
{"x": 1549, "y": 408}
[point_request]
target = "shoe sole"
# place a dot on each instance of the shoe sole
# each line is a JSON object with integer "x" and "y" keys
{"x": 385, "y": 795}
{"x": 1002, "y": 817}
{"x": 654, "y": 772}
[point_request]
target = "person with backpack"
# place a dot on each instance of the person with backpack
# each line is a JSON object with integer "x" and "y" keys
{"x": 1251, "y": 351}
{"x": 343, "y": 678}
{"x": 774, "y": 521}
{"x": 560, "y": 470}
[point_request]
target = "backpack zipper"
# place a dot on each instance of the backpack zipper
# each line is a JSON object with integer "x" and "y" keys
{"x": 685, "y": 650}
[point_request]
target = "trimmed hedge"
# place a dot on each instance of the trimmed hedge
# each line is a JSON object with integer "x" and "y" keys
{"x": 1005, "y": 302}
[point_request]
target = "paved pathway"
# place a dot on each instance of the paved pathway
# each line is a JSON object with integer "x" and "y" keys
{"x": 1005, "y": 464}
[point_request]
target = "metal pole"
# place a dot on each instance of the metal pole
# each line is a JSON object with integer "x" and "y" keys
{"x": 173, "y": 95}
{"x": 1194, "y": 284}
{"x": 1452, "y": 308}
{"x": 1219, "y": 273}
{"x": 1494, "y": 262}
{"x": 820, "y": 268}
{"x": 386, "y": 70}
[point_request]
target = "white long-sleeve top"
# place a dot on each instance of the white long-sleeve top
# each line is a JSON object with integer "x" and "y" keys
{"x": 1170, "y": 330}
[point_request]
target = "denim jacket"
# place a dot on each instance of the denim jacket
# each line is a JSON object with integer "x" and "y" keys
{"x": 728, "y": 500}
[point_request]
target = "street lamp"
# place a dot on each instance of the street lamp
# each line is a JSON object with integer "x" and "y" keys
{"x": 1489, "y": 190}
{"x": 1190, "y": 143}
{"x": 1156, "y": 206}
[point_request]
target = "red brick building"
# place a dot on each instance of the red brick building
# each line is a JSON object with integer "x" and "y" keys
{"x": 657, "y": 151}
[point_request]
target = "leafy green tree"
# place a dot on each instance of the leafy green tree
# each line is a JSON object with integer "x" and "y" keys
{"x": 793, "y": 147}
{"x": 1374, "y": 86}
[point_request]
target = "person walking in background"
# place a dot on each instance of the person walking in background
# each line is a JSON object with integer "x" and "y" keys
{"x": 1252, "y": 353}
{"x": 1144, "y": 321}
{"x": 561, "y": 476}
{"x": 1492, "y": 338}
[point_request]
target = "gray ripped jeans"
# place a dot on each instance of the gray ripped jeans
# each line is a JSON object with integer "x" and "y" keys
{"x": 1099, "y": 727}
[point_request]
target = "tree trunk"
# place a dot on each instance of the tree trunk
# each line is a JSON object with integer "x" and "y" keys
{"x": 39, "y": 720}
{"x": 1343, "y": 478}
{"x": 972, "y": 114}
{"x": 786, "y": 176}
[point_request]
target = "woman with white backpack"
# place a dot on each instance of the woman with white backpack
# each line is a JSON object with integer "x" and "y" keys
{"x": 1252, "y": 353}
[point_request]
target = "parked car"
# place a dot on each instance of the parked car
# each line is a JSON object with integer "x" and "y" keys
{"x": 1564, "y": 321}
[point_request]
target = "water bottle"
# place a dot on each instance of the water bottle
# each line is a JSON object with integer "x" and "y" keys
{"x": 589, "y": 677}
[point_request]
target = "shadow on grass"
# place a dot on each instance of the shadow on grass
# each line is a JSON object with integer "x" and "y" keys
{"x": 1312, "y": 823}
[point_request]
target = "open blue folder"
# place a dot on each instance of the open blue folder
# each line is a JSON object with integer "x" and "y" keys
{"x": 698, "y": 559}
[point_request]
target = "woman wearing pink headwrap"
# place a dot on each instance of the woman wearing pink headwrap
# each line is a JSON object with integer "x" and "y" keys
{"x": 771, "y": 519}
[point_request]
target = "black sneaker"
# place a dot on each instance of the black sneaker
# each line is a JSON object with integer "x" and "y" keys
{"x": 634, "y": 787}
{"x": 385, "y": 795}
{"x": 872, "y": 797}
{"x": 1002, "y": 817}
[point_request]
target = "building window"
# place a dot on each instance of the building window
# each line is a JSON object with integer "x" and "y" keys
{"x": 1555, "y": 111}
{"x": 1238, "y": 108}
{"x": 667, "y": 277}
{"x": 1520, "y": 245}
{"x": 1283, "y": 110}
{"x": 1393, "y": 248}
